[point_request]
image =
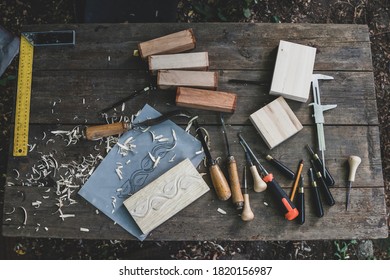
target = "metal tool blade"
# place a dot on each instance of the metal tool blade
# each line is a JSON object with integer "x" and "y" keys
{"x": 225, "y": 134}
{"x": 349, "y": 187}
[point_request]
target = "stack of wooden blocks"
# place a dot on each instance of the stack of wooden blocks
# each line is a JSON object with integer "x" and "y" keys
{"x": 187, "y": 72}
{"x": 276, "y": 122}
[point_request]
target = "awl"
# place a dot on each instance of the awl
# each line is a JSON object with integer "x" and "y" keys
{"x": 354, "y": 162}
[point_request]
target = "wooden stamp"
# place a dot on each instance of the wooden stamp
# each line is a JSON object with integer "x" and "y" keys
{"x": 206, "y": 99}
{"x": 168, "y": 79}
{"x": 275, "y": 122}
{"x": 167, "y": 195}
{"x": 293, "y": 71}
{"x": 180, "y": 61}
{"x": 173, "y": 43}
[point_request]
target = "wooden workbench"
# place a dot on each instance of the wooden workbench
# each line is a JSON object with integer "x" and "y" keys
{"x": 71, "y": 84}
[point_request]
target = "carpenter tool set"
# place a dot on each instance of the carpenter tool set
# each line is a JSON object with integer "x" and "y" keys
{"x": 197, "y": 88}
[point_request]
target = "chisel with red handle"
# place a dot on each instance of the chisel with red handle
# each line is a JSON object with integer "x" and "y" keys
{"x": 282, "y": 200}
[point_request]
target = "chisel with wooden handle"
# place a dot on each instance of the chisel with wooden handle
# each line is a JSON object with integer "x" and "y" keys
{"x": 235, "y": 187}
{"x": 98, "y": 131}
{"x": 283, "y": 202}
{"x": 218, "y": 179}
{"x": 258, "y": 184}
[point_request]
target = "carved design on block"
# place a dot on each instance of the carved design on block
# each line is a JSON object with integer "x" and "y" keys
{"x": 166, "y": 196}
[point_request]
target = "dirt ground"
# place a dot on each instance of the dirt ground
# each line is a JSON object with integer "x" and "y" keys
{"x": 374, "y": 13}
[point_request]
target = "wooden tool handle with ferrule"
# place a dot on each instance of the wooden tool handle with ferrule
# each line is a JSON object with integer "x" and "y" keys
{"x": 258, "y": 184}
{"x": 99, "y": 131}
{"x": 247, "y": 213}
{"x": 220, "y": 184}
{"x": 238, "y": 199}
{"x": 354, "y": 162}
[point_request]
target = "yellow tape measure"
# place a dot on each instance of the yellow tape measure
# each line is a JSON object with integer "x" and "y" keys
{"x": 23, "y": 97}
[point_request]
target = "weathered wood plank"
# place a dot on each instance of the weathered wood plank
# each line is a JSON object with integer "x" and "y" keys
{"x": 201, "y": 221}
{"x": 59, "y": 100}
{"x": 342, "y": 141}
{"x": 230, "y": 46}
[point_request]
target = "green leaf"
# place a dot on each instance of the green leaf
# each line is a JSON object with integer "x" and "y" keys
{"x": 247, "y": 12}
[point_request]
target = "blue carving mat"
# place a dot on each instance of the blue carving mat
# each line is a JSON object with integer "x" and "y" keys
{"x": 165, "y": 143}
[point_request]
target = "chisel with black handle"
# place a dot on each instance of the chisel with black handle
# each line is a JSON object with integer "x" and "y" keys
{"x": 324, "y": 187}
{"x": 316, "y": 198}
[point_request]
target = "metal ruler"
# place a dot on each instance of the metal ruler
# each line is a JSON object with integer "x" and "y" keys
{"x": 23, "y": 94}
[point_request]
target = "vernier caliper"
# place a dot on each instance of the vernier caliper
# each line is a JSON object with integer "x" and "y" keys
{"x": 318, "y": 114}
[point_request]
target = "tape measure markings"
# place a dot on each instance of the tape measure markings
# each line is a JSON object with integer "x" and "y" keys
{"x": 23, "y": 98}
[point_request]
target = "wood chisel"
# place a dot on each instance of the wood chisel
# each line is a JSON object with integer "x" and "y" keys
{"x": 218, "y": 179}
{"x": 316, "y": 197}
{"x": 258, "y": 184}
{"x": 127, "y": 98}
{"x": 237, "y": 198}
{"x": 318, "y": 162}
{"x": 323, "y": 186}
{"x": 354, "y": 162}
{"x": 301, "y": 202}
{"x": 287, "y": 172}
{"x": 282, "y": 200}
{"x": 247, "y": 213}
{"x": 98, "y": 131}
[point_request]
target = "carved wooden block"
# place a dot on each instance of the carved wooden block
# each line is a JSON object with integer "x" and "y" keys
{"x": 293, "y": 71}
{"x": 168, "y": 79}
{"x": 275, "y": 122}
{"x": 166, "y": 196}
{"x": 180, "y": 61}
{"x": 173, "y": 43}
{"x": 206, "y": 99}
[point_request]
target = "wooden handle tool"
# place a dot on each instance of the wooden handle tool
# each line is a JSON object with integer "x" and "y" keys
{"x": 238, "y": 199}
{"x": 354, "y": 162}
{"x": 258, "y": 184}
{"x": 217, "y": 177}
{"x": 247, "y": 213}
{"x": 99, "y": 131}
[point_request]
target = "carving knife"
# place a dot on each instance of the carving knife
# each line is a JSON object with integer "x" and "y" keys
{"x": 238, "y": 199}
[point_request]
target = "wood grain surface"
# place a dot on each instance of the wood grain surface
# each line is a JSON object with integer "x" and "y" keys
{"x": 71, "y": 84}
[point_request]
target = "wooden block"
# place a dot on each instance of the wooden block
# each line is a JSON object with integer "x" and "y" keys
{"x": 206, "y": 99}
{"x": 168, "y": 79}
{"x": 275, "y": 122}
{"x": 183, "y": 61}
{"x": 293, "y": 71}
{"x": 173, "y": 43}
{"x": 166, "y": 196}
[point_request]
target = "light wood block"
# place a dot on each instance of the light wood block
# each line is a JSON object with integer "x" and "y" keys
{"x": 275, "y": 122}
{"x": 173, "y": 43}
{"x": 181, "y": 61}
{"x": 167, "y": 195}
{"x": 206, "y": 99}
{"x": 168, "y": 79}
{"x": 293, "y": 71}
